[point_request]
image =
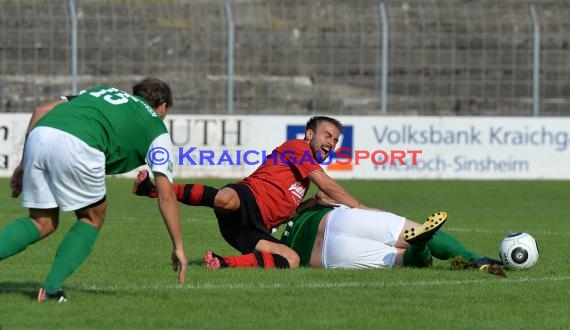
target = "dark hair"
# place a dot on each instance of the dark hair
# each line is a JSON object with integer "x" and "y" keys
{"x": 316, "y": 120}
{"x": 154, "y": 91}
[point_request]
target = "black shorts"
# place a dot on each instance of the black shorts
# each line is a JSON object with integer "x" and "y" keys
{"x": 243, "y": 228}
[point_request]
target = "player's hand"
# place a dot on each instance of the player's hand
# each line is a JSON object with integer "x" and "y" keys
{"x": 179, "y": 264}
{"x": 16, "y": 181}
{"x": 324, "y": 200}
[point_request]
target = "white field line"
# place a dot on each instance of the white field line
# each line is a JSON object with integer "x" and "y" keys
{"x": 314, "y": 285}
{"x": 497, "y": 232}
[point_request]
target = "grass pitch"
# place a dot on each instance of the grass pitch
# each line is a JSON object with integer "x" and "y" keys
{"x": 127, "y": 282}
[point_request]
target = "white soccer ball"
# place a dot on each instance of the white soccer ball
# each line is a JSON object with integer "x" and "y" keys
{"x": 519, "y": 251}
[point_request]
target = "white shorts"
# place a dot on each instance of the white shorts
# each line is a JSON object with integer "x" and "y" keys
{"x": 356, "y": 238}
{"x": 60, "y": 170}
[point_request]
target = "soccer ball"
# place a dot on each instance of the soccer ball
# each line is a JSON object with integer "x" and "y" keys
{"x": 519, "y": 251}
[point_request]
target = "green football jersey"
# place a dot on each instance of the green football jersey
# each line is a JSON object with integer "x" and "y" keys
{"x": 301, "y": 232}
{"x": 124, "y": 127}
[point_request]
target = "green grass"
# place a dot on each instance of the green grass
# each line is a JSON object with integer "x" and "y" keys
{"x": 127, "y": 282}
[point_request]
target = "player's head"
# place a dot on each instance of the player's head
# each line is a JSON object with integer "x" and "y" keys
{"x": 322, "y": 134}
{"x": 156, "y": 93}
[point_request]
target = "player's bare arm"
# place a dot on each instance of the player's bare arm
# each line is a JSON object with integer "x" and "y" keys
{"x": 306, "y": 204}
{"x": 323, "y": 199}
{"x": 40, "y": 111}
{"x": 168, "y": 206}
{"x": 334, "y": 192}
{"x": 320, "y": 198}
{"x": 17, "y": 175}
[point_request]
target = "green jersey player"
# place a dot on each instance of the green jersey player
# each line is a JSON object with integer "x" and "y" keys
{"x": 341, "y": 237}
{"x": 70, "y": 147}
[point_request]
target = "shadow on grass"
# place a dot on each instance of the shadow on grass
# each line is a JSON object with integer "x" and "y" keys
{"x": 30, "y": 289}
{"x": 27, "y": 289}
{"x": 196, "y": 262}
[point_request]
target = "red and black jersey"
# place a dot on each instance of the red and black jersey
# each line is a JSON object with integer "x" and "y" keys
{"x": 282, "y": 181}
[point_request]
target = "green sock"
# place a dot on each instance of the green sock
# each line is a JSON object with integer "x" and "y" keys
{"x": 444, "y": 246}
{"x": 72, "y": 251}
{"x": 17, "y": 236}
{"x": 417, "y": 256}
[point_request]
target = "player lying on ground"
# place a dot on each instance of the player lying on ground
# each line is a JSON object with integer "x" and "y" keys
{"x": 342, "y": 237}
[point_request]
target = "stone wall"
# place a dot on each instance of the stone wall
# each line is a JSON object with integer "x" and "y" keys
{"x": 449, "y": 57}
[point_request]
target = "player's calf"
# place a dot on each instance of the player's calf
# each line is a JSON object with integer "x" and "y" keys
{"x": 254, "y": 259}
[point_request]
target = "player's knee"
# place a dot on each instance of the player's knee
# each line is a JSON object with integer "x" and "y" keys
{"x": 293, "y": 259}
{"x": 46, "y": 226}
{"x": 294, "y": 262}
{"x": 226, "y": 199}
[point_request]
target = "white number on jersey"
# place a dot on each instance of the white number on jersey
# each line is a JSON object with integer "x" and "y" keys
{"x": 112, "y": 95}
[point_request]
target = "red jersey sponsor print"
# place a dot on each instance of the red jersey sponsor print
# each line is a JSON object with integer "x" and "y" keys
{"x": 298, "y": 190}
{"x": 282, "y": 181}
